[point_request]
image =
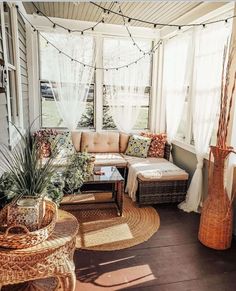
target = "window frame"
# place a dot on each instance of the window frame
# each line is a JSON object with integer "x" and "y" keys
{"x": 150, "y": 101}
{"x": 15, "y": 69}
{"x": 187, "y": 142}
{"x": 98, "y": 87}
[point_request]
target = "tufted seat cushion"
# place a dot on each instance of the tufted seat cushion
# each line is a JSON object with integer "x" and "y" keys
{"x": 110, "y": 159}
{"x": 100, "y": 142}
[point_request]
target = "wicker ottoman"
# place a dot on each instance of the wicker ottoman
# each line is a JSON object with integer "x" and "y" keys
{"x": 165, "y": 190}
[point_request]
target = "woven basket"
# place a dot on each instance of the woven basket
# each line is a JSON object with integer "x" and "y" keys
{"x": 217, "y": 216}
{"x": 21, "y": 237}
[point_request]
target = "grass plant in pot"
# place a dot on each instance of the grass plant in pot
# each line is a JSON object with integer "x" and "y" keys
{"x": 29, "y": 180}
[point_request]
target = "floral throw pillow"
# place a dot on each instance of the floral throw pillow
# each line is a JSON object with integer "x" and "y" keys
{"x": 138, "y": 146}
{"x": 157, "y": 147}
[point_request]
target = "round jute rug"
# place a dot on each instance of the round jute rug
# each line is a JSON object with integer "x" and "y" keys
{"x": 102, "y": 230}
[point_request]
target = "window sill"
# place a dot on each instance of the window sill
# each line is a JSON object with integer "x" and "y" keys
{"x": 184, "y": 145}
{"x": 188, "y": 147}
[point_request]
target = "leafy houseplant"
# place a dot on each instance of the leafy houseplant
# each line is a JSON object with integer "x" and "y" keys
{"x": 5, "y": 186}
{"x": 80, "y": 167}
{"x": 29, "y": 178}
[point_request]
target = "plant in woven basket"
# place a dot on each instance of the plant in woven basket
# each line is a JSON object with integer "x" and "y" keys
{"x": 217, "y": 217}
{"x": 29, "y": 179}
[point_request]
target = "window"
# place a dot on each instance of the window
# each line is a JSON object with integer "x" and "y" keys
{"x": 201, "y": 54}
{"x": 97, "y": 108}
{"x": 123, "y": 50}
{"x": 9, "y": 45}
{"x": 50, "y": 114}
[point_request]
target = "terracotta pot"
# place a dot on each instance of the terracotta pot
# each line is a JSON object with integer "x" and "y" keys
{"x": 217, "y": 215}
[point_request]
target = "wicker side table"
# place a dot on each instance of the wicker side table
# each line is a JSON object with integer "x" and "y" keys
{"x": 52, "y": 258}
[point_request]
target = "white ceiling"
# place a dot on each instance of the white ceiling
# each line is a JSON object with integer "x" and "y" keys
{"x": 153, "y": 11}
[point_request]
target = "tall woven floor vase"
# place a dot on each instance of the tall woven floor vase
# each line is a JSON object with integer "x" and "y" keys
{"x": 217, "y": 215}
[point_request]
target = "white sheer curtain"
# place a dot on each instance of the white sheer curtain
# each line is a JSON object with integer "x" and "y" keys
{"x": 69, "y": 80}
{"x": 209, "y": 49}
{"x": 175, "y": 80}
{"x": 125, "y": 88}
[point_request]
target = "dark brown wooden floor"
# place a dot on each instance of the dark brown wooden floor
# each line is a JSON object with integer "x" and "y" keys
{"x": 172, "y": 260}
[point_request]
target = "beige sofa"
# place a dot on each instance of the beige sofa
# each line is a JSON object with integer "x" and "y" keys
{"x": 109, "y": 149}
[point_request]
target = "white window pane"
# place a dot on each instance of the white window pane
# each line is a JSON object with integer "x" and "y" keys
{"x": 123, "y": 82}
{"x": 50, "y": 114}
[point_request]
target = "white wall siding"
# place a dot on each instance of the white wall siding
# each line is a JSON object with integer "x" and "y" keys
{"x": 23, "y": 69}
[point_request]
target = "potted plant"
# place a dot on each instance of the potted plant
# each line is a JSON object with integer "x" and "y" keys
{"x": 29, "y": 179}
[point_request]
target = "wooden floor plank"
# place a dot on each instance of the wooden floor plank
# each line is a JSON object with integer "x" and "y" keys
{"x": 173, "y": 259}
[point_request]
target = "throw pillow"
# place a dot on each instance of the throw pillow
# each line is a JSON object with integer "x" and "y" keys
{"x": 64, "y": 143}
{"x": 157, "y": 147}
{"x": 138, "y": 146}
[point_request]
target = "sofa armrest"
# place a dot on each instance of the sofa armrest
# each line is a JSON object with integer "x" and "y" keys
{"x": 167, "y": 151}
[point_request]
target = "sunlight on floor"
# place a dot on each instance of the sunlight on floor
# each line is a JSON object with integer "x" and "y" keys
{"x": 103, "y": 236}
{"x": 119, "y": 279}
{"x": 115, "y": 261}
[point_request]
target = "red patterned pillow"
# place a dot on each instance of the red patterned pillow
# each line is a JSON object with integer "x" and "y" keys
{"x": 157, "y": 147}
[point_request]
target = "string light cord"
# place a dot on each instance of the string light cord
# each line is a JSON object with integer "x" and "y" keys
{"x": 155, "y": 47}
{"x": 130, "y": 35}
{"x": 54, "y": 24}
{"x": 155, "y": 24}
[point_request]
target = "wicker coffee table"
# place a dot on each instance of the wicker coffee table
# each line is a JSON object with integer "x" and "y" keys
{"x": 52, "y": 258}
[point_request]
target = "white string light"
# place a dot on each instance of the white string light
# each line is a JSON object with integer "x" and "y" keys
{"x": 153, "y": 50}
{"x": 155, "y": 24}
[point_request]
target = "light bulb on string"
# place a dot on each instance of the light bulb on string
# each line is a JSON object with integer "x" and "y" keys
{"x": 105, "y": 15}
{"x": 227, "y": 23}
{"x": 180, "y": 30}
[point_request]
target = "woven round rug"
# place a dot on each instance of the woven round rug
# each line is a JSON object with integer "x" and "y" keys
{"x": 101, "y": 229}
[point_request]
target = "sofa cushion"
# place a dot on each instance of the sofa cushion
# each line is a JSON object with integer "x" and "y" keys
{"x": 134, "y": 160}
{"x": 124, "y": 140}
{"x": 158, "y": 169}
{"x": 100, "y": 142}
{"x": 76, "y": 139}
{"x": 157, "y": 146}
{"x": 138, "y": 146}
{"x": 64, "y": 144}
{"x": 161, "y": 170}
{"x": 110, "y": 159}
